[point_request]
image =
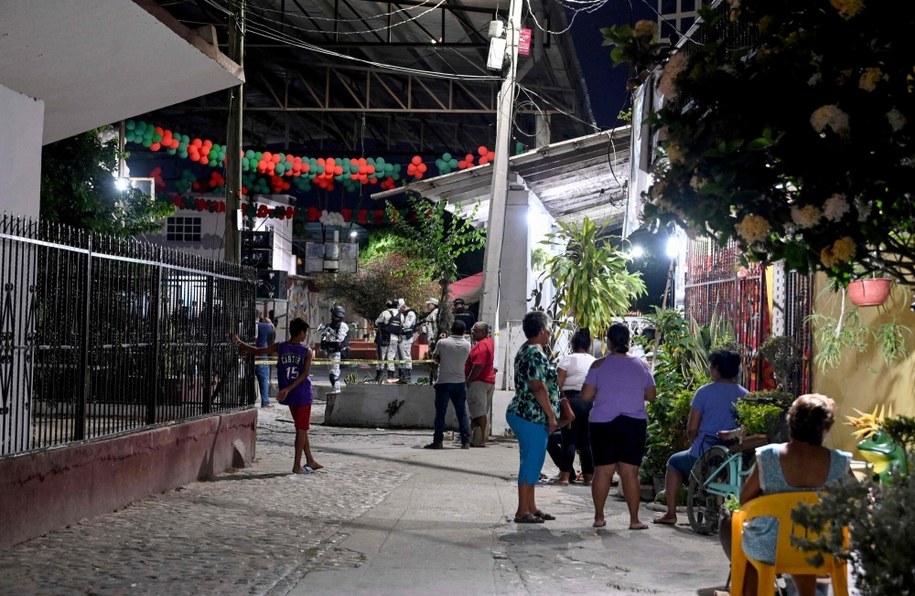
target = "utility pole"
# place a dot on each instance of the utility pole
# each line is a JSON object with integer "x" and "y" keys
{"x": 492, "y": 258}
{"x": 232, "y": 237}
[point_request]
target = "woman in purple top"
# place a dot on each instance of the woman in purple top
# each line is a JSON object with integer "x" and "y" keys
{"x": 620, "y": 385}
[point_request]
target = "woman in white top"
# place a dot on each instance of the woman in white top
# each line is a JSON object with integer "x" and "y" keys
{"x": 572, "y": 371}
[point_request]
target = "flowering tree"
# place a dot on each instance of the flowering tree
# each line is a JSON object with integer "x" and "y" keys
{"x": 789, "y": 127}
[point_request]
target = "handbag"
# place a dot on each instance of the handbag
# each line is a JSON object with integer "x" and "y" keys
{"x": 566, "y": 415}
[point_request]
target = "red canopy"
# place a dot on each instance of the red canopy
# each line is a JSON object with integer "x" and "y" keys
{"x": 469, "y": 288}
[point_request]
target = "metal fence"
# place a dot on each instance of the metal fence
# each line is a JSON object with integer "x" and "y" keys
{"x": 100, "y": 335}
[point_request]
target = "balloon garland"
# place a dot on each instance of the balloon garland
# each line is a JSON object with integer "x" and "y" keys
{"x": 265, "y": 172}
{"x": 322, "y": 172}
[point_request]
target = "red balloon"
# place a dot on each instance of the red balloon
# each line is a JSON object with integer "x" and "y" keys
{"x": 155, "y": 147}
{"x": 196, "y": 143}
{"x": 416, "y": 160}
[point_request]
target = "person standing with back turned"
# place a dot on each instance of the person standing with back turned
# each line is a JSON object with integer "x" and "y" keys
{"x": 620, "y": 385}
{"x": 481, "y": 383}
{"x": 292, "y": 372}
{"x": 266, "y": 333}
{"x": 451, "y": 354}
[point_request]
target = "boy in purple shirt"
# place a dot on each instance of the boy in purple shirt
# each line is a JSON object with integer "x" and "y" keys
{"x": 292, "y": 369}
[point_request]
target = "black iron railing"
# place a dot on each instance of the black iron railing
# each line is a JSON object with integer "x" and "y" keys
{"x": 100, "y": 335}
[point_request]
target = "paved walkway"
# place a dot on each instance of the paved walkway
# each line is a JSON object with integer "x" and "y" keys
{"x": 384, "y": 517}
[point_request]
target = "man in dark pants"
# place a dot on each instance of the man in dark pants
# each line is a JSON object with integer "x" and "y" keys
{"x": 266, "y": 333}
{"x": 451, "y": 354}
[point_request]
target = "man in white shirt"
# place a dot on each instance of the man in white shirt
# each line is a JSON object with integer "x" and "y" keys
{"x": 451, "y": 354}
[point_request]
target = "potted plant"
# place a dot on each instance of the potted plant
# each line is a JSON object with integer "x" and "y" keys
{"x": 763, "y": 413}
{"x": 592, "y": 284}
{"x": 834, "y": 336}
{"x": 869, "y": 291}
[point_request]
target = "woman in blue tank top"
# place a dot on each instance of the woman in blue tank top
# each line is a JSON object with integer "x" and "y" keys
{"x": 801, "y": 464}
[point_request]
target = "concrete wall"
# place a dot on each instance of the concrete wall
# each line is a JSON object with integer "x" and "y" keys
{"x": 21, "y": 126}
{"x": 863, "y": 380}
{"x": 369, "y": 406}
{"x": 51, "y": 489}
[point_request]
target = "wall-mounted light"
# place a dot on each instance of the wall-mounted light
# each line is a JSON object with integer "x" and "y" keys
{"x": 353, "y": 234}
{"x": 121, "y": 183}
{"x": 636, "y": 252}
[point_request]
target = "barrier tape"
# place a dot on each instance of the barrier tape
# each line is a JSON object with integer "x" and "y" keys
{"x": 273, "y": 361}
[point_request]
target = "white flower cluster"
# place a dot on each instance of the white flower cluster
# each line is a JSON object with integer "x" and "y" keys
{"x": 805, "y": 217}
{"x": 830, "y": 116}
{"x": 675, "y": 65}
{"x": 896, "y": 119}
{"x": 753, "y": 228}
{"x": 645, "y": 29}
{"x": 835, "y": 207}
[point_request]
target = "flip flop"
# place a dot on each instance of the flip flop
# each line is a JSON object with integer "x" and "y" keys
{"x": 639, "y": 527}
{"x": 305, "y": 470}
{"x": 599, "y": 524}
{"x": 663, "y": 521}
{"x": 544, "y": 516}
{"x": 530, "y": 518}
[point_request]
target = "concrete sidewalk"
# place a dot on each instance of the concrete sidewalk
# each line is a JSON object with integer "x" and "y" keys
{"x": 384, "y": 517}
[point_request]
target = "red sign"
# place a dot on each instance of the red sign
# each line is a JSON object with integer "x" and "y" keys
{"x": 524, "y": 42}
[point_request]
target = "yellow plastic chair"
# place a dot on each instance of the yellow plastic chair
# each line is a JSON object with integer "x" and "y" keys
{"x": 788, "y": 558}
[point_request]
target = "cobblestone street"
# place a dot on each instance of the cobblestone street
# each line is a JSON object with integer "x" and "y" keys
{"x": 379, "y": 513}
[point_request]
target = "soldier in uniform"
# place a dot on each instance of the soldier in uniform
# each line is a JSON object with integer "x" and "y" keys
{"x": 405, "y": 344}
{"x": 430, "y": 323}
{"x": 383, "y": 339}
{"x": 333, "y": 341}
{"x": 387, "y": 350}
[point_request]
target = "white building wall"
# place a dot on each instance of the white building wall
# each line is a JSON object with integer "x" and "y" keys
{"x": 21, "y": 127}
{"x": 212, "y": 232}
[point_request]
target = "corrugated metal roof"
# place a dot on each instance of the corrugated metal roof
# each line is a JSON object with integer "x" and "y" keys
{"x": 574, "y": 179}
{"x": 94, "y": 62}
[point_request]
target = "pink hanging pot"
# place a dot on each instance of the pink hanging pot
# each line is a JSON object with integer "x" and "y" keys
{"x": 871, "y": 291}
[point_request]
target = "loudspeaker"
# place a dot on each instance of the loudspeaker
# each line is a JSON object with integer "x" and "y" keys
{"x": 250, "y": 239}
{"x": 261, "y": 258}
{"x": 271, "y": 284}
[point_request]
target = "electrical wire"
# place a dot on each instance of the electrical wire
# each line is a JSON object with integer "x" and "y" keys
{"x": 295, "y": 42}
{"x": 287, "y": 25}
{"x": 382, "y": 15}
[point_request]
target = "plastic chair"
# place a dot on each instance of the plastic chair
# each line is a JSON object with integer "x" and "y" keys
{"x": 788, "y": 558}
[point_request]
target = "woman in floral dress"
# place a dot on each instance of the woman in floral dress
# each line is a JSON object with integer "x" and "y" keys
{"x": 532, "y": 412}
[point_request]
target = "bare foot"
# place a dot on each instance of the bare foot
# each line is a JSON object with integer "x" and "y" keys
{"x": 638, "y": 526}
{"x": 665, "y": 520}
{"x": 315, "y": 465}
{"x": 599, "y": 523}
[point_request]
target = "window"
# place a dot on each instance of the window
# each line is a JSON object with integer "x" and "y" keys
{"x": 182, "y": 229}
{"x": 676, "y": 16}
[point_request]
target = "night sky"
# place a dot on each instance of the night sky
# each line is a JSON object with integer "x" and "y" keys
{"x": 606, "y": 83}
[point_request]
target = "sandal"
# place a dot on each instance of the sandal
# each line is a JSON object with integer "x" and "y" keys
{"x": 530, "y": 518}
{"x": 544, "y": 516}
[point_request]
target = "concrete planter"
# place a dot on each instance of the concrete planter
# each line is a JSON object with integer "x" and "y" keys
{"x": 385, "y": 406}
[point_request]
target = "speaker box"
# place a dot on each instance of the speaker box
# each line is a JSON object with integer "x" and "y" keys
{"x": 271, "y": 284}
